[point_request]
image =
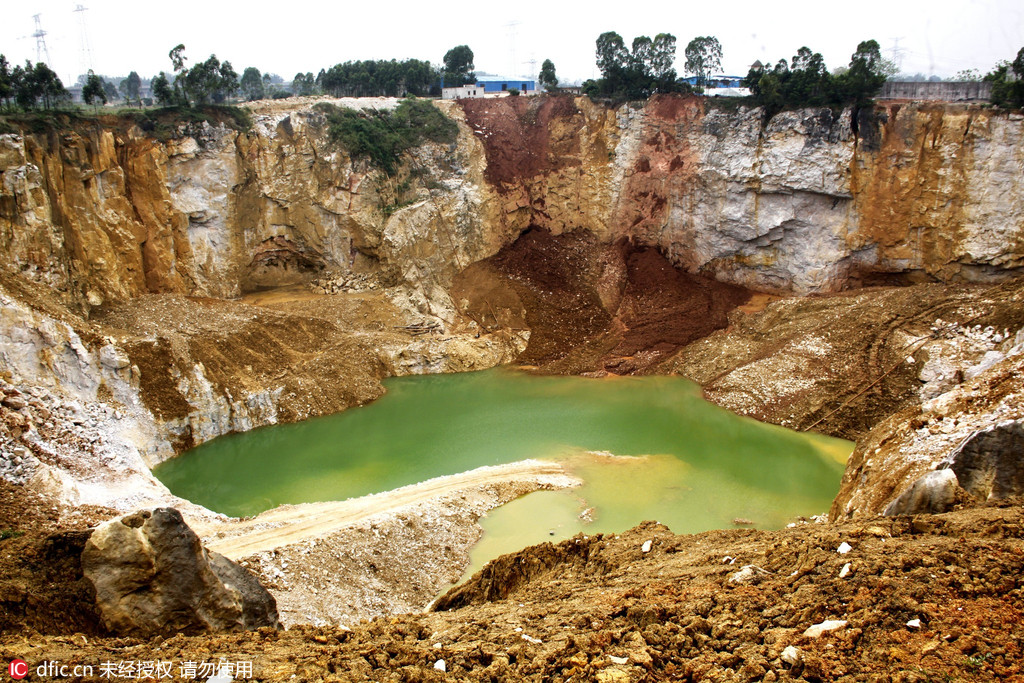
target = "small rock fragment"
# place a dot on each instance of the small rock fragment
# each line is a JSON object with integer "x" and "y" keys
{"x": 531, "y": 639}
{"x": 748, "y": 574}
{"x": 618, "y": 660}
{"x": 845, "y": 571}
{"x": 791, "y": 655}
{"x": 844, "y": 548}
{"x": 817, "y": 630}
{"x": 440, "y": 665}
{"x": 914, "y": 623}
{"x": 646, "y": 547}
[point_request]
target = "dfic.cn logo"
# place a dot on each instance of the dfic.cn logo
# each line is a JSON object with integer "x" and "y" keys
{"x": 18, "y": 668}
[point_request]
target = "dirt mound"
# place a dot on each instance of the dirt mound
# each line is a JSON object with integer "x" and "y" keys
{"x": 516, "y": 132}
{"x": 593, "y": 307}
{"x": 840, "y": 364}
{"x": 933, "y": 597}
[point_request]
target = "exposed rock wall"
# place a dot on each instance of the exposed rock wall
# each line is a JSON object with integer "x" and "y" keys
{"x": 811, "y": 201}
{"x": 104, "y": 215}
{"x": 814, "y": 200}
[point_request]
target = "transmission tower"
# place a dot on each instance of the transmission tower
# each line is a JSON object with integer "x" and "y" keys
{"x": 40, "y": 36}
{"x": 512, "y": 31}
{"x": 86, "y": 46}
{"x": 897, "y": 52}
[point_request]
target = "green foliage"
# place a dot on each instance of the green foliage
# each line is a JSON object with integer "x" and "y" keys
{"x": 251, "y": 84}
{"x": 6, "y": 84}
{"x": 209, "y": 81}
{"x": 30, "y": 86}
{"x": 382, "y": 136}
{"x": 458, "y": 67}
{"x": 703, "y": 58}
{"x": 548, "y": 79}
{"x": 805, "y": 81}
{"x": 129, "y": 87}
{"x": 162, "y": 90}
{"x": 1007, "y": 81}
{"x": 636, "y": 73}
{"x": 10, "y": 533}
{"x": 163, "y": 123}
{"x": 304, "y": 84}
{"x": 93, "y": 90}
{"x": 372, "y": 78}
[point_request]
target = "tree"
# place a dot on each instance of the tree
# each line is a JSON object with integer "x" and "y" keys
{"x": 178, "y": 57}
{"x": 204, "y": 82}
{"x": 612, "y": 55}
{"x": 703, "y": 58}
{"x": 6, "y": 83}
{"x": 252, "y": 85}
{"x": 636, "y": 73}
{"x": 109, "y": 89}
{"x": 130, "y": 87}
{"x": 663, "y": 56}
{"x": 162, "y": 90}
{"x": 865, "y": 75}
{"x": 1007, "y": 89}
{"x": 966, "y": 75}
{"x": 93, "y": 90}
{"x": 548, "y": 79}
{"x": 458, "y": 66}
{"x": 304, "y": 83}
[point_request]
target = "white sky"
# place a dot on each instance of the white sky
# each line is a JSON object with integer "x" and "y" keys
{"x": 934, "y": 36}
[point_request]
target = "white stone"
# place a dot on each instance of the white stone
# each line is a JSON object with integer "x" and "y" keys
{"x": 747, "y": 574}
{"x": 914, "y": 623}
{"x": 791, "y": 655}
{"x": 817, "y": 630}
{"x": 440, "y": 665}
{"x": 618, "y": 660}
{"x": 845, "y": 571}
{"x": 844, "y": 548}
{"x": 646, "y": 547}
{"x": 531, "y": 639}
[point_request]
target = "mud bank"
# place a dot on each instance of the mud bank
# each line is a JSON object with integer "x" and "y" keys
{"x": 405, "y": 546}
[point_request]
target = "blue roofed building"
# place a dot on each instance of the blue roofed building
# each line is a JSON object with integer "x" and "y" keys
{"x": 491, "y": 86}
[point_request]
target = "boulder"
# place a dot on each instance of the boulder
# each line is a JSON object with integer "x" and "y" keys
{"x": 933, "y": 492}
{"x": 989, "y": 464}
{"x": 152, "y": 575}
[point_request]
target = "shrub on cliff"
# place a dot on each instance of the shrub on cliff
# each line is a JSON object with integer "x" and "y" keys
{"x": 382, "y": 136}
{"x": 1007, "y": 81}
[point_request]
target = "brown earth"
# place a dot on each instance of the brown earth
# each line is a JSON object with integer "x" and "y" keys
{"x": 837, "y": 364}
{"x": 592, "y": 307}
{"x": 562, "y": 612}
{"x": 517, "y": 139}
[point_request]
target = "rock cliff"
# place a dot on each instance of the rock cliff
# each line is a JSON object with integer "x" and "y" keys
{"x": 120, "y": 244}
{"x": 812, "y": 201}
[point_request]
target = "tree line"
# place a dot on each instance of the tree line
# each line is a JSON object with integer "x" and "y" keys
{"x": 31, "y": 86}
{"x": 805, "y": 80}
{"x": 638, "y": 71}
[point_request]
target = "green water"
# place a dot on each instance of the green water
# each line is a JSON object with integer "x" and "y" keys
{"x": 701, "y": 466}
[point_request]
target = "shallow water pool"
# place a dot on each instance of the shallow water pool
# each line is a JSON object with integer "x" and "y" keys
{"x": 694, "y": 466}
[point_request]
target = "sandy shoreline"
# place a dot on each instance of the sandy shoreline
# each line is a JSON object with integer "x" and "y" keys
{"x": 344, "y": 561}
